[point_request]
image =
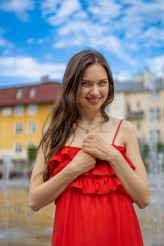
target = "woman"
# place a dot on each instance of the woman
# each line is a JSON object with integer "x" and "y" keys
{"x": 89, "y": 163}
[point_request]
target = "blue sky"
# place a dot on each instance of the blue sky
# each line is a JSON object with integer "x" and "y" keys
{"x": 38, "y": 38}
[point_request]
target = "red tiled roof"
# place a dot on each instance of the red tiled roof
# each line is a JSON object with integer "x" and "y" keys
{"x": 45, "y": 92}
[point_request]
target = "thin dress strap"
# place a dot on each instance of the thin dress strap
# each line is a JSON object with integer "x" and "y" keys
{"x": 117, "y": 130}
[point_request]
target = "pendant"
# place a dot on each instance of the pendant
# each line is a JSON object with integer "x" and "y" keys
{"x": 87, "y": 131}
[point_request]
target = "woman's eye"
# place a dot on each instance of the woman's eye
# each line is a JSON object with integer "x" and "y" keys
{"x": 85, "y": 84}
{"x": 103, "y": 83}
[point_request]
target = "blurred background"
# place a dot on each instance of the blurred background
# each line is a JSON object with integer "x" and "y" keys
{"x": 37, "y": 39}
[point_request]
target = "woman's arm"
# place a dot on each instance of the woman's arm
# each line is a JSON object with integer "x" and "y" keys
{"x": 43, "y": 193}
{"x": 134, "y": 183}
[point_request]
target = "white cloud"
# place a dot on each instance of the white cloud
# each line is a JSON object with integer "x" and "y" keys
{"x": 136, "y": 22}
{"x": 83, "y": 33}
{"x": 122, "y": 76}
{"x": 19, "y": 8}
{"x": 58, "y": 12}
{"x": 29, "y": 68}
{"x": 154, "y": 37}
{"x": 95, "y": 25}
{"x": 49, "y": 6}
{"x": 116, "y": 46}
{"x": 40, "y": 41}
{"x": 156, "y": 65}
{"x": 104, "y": 10}
{"x": 66, "y": 42}
{"x": 68, "y": 8}
{"x": 5, "y": 44}
{"x": 30, "y": 40}
{"x": 141, "y": 23}
{"x": 85, "y": 30}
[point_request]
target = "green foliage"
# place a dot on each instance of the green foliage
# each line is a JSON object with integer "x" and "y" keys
{"x": 144, "y": 150}
{"x": 160, "y": 147}
{"x": 31, "y": 152}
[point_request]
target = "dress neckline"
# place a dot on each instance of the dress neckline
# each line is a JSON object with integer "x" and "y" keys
{"x": 76, "y": 147}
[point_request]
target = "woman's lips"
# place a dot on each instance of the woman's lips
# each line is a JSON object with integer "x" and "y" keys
{"x": 93, "y": 99}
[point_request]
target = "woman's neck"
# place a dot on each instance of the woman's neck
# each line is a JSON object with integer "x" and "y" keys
{"x": 89, "y": 120}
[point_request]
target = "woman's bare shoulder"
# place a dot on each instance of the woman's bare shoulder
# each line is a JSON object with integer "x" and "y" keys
{"x": 116, "y": 121}
{"x": 127, "y": 125}
{"x": 126, "y": 130}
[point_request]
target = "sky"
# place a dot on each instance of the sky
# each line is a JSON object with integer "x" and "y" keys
{"x": 39, "y": 37}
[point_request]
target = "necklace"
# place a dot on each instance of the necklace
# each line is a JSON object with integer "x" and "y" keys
{"x": 88, "y": 130}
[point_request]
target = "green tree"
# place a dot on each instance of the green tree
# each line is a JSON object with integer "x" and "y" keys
{"x": 31, "y": 153}
{"x": 160, "y": 147}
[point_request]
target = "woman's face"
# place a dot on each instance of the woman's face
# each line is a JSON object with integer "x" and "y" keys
{"x": 94, "y": 88}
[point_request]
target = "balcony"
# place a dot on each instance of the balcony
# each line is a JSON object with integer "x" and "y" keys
{"x": 132, "y": 115}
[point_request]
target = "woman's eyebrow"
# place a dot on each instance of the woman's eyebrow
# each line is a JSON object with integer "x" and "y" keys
{"x": 87, "y": 80}
{"x": 104, "y": 79}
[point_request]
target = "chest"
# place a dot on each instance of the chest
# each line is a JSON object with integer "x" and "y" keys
{"x": 79, "y": 135}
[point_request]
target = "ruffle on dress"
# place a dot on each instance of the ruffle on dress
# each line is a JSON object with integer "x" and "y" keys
{"x": 100, "y": 180}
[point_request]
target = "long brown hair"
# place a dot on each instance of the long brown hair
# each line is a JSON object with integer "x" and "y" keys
{"x": 65, "y": 112}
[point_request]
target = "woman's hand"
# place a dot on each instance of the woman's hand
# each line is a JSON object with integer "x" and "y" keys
{"x": 82, "y": 162}
{"x": 99, "y": 148}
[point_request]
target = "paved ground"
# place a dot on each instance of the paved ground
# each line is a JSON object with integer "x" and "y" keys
{"x": 19, "y": 226}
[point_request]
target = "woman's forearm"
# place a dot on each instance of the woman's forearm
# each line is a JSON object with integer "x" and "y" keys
{"x": 136, "y": 187}
{"x": 50, "y": 190}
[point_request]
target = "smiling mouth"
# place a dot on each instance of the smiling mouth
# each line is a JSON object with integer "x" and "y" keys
{"x": 93, "y": 99}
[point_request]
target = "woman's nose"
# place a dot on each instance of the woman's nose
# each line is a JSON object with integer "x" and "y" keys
{"x": 94, "y": 90}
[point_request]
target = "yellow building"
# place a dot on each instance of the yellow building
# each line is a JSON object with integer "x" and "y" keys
{"x": 23, "y": 111}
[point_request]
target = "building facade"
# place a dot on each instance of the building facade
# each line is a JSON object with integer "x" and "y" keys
{"x": 23, "y": 111}
{"x": 141, "y": 101}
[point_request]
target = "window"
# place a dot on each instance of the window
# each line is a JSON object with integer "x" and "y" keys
{"x": 18, "y": 128}
{"x": 32, "y": 109}
{"x": 138, "y": 106}
{"x": 154, "y": 114}
{"x": 31, "y": 127}
{"x": 155, "y": 135}
{"x": 18, "y": 148}
{"x": 128, "y": 108}
{"x": 32, "y": 92}
{"x": 6, "y": 111}
{"x": 19, "y": 110}
{"x": 18, "y": 93}
{"x": 158, "y": 135}
{"x": 151, "y": 113}
{"x": 158, "y": 113}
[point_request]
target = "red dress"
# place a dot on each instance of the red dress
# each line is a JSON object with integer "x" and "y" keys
{"x": 94, "y": 210}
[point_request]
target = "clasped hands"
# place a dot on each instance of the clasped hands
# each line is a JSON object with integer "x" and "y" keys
{"x": 94, "y": 147}
{"x": 99, "y": 148}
